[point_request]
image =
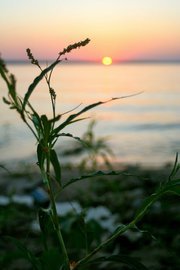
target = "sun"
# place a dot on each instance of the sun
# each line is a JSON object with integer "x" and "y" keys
{"x": 106, "y": 60}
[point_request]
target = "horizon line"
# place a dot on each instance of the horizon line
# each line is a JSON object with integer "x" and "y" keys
{"x": 76, "y": 61}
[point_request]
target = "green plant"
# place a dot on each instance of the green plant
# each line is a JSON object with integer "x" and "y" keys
{"x": 47, "y": 132}
{"x": 96, "y": 150}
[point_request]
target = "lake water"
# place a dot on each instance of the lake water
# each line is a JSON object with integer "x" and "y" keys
{"x": 141, "y": 129}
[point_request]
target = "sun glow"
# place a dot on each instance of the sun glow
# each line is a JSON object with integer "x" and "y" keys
{"x": 107, "y": 60}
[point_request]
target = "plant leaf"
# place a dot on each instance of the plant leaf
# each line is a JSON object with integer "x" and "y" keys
{"x": 70, "y": 136}
{"x": 55, "y": 119}
{"x": 55, "y": 131}
{"x": 44, "y": 217}
{"x": 46, "y": 127}
{"x": 37, "y": 122}
{"x": 6, "y": 101}
{"x": 175, "y": 190}
{"x": 175, "y": 169}
{"x": 173, "y": 186}
{"x": 4, "y": 72}
{"x": 40, "y": 156}
{"x": 36, "y": 81}
{"x": 87, "y": 108}
{"x": 99, "y": 173}
{"x": 56, "y": 165}
{"x": 146, "y": 205}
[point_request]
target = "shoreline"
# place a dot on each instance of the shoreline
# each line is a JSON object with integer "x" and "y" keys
{"x": 19, "y": 179}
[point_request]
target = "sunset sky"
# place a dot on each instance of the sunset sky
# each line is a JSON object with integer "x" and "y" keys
{"x": 122, "y": 29}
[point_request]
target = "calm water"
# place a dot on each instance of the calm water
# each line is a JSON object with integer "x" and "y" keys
{"x": 141, "y": 129}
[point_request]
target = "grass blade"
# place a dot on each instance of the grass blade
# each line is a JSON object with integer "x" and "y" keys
{"x": 87, "y": 108}
{"x": 36, "y": 81}
{"x": 70, "y": 136}
{"x": 40, "y": 156}
{"x": 46, "y": 127}
{"x": 96, "y": 174}
{"x": 56, "y": 165}
{"x": 175, "y": 169}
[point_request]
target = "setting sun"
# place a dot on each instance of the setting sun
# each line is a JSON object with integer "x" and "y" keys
{"x": 107, "y": 60}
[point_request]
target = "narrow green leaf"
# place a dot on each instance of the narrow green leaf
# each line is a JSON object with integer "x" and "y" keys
{"x": 44, "y": 120}
{"x": 119, "y": 229}
{"x": 46, "y": 127}
{"x": 36, "y": 81}
{"x": 87, "y": 108}
{"x": 78, "y": 120}
{"x": 40, "y": 156}
{"x": 55, "y": 119}
{"x": 4, "y": 72}
{"x": 173, "y": 186}
{"x": 73, "y": 116}
{"x": 146, "y": 205}
{"x": 55, "y": 131}
{"x": 13, "y": 107}
{"x": 175, "y": 190}
{"x": 6, "y": 101}
{"x": 96, "y": 174}
{"x": 70, "y": 136}
{"x": 56, "y": 165}
{"x": 175, "y": 168}
{"x": 36, "y": 121}
{"x": 44, "y": 219}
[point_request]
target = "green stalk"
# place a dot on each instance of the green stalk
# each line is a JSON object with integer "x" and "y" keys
{"x": 55, "y": 215}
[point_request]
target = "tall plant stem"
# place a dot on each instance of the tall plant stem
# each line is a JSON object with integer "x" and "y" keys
{"x": 55, "y": 218}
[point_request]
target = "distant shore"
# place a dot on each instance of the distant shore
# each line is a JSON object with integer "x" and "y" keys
{"x": 117, "y": 62}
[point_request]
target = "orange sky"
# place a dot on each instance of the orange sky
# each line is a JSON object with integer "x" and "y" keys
{"x": 124, "y": 30}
